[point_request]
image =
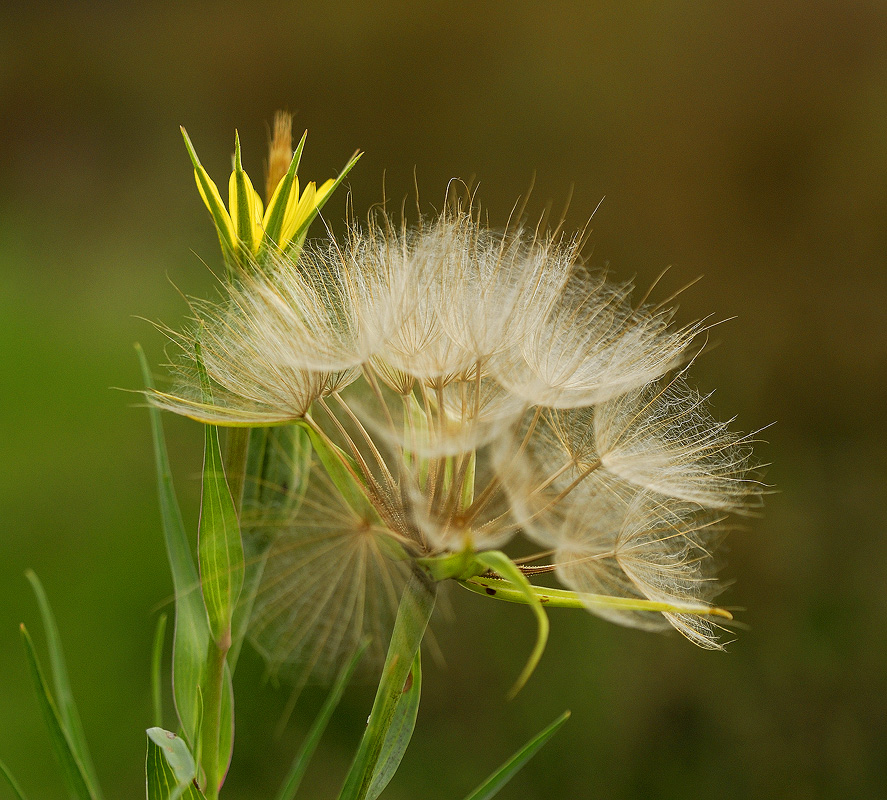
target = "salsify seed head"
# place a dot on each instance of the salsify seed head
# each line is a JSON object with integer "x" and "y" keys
{"x": 476, "y": 384}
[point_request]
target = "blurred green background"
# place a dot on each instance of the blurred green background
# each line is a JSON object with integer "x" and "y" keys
{"x": 745, "y": 142}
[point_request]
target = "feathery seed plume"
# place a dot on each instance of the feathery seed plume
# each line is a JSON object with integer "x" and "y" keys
{"x": 461, "y": 386}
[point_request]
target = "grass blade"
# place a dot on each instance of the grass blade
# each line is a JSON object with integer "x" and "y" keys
{"x": 13, "y": 783}
{"x": 506, "y": 772}
{"x": 156, "y": 671}
{"x": 64, "y": 698}
{"x": 306, "y": 751}
{"x": 169, "y": 768}
{"x": 191, "y": 637}
{"x": 400, "y": 732}
{"x": 74, "y": 772}
{"x": 413, "y": 614}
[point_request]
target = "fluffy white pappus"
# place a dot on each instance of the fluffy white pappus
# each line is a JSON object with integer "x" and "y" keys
{"x": 610, "y": 536}
{"x": 315, "y": 308}
{"x": 331, "y": 578}
{"x": 418, "y": 345}
{"x": 663, "y": 438}
{"x": 592, "y": 345}
{"x": 545, "y": 483}
{"x": 501, "y": 286}
{"x": 248, "y": 386}
{"x": 657, "y": 551}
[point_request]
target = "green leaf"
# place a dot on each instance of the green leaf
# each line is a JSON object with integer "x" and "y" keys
{"x": 156, "y": 670}
{"x": 219, "y": 546}
{"x": 220, "y": 549}
{"x": 413, "y": 614}
{"x": 491, "y": 786}
{"x": 169, "y": 768}
{"x": 74, "y": 773}
{"x": 64, "y": 698}
{"x": 306, "y": 751}
{"x": 191, "y": 627}
{"x": 504, "y": 566}
{"x": 13, "y": 783}
{"x": 226, "y": 726}
{"x": 401, "y": 731}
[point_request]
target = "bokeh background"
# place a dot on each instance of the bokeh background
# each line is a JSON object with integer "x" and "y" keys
{"x": 744, "y": 142}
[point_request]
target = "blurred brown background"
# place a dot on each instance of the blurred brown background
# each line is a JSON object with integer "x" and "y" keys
{"x": 745, "y": 142}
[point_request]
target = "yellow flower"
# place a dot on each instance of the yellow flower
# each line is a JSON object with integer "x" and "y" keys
{"x": 246, "y": 229}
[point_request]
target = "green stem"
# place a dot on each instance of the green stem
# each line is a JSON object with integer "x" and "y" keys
{"x": 212, "y": 716}
{"x": 563, "y": 598}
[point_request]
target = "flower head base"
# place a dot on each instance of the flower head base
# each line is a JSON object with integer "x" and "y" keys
{"x": 461, "y": 386}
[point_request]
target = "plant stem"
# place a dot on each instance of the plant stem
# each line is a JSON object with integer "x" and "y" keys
{"x": 212, "y": 717}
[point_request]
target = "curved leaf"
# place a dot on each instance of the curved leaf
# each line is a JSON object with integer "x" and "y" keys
{"x": 74, "y": 773}
{"x": 504, "y": 566}
{"x": 64, "y": 698}
{"x": 401, "y": 731}
{"x": 413, "y": 614}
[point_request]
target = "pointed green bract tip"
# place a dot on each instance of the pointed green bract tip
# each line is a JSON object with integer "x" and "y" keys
{"x": 190, "y": 147}
{"x": 237, "y": 163}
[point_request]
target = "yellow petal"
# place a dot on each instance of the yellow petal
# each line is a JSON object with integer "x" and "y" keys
{"x": 324, "y": 190}
{"x": 273, "y": 201}
{"x": 297, "y": 213}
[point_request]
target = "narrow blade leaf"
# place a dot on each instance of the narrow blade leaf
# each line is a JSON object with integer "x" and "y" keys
{"x": 64, "y": 698}
{"x": 401, "y": 731}
{"x": 13, "y": 783}
{"x": 213, "y": 200}
{"x": 413, "y": 614}
{"x": 281, "y": 198}
{"x": 306, "y": 751}
{"x": 491, "y": 786}
{"x": 192, "y": 628}
{"x": 226, "y": 726}
{"x": 73, "y": 771}
{"x": 565, "y": 598}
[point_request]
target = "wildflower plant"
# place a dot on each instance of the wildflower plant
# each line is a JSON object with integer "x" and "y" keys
{"x": 401, "y": 405}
